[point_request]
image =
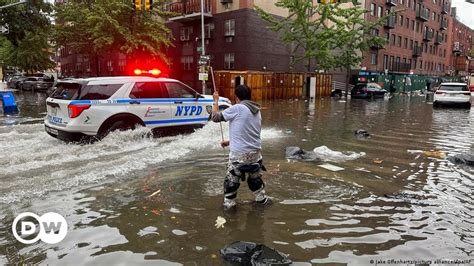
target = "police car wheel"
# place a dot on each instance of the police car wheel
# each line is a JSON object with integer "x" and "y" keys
{"x": 117, "y": 125}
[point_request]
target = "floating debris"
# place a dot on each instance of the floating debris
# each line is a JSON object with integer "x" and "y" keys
{"x": 327, "y": 154}
{"x": 331, "y": 167}
{"x": 378, "y": 161}
{"x": 361, "y": 133}
{"x": 435, "y": 154}
{"x": 465, "y": 158}
{"x": 174, "y": 210}
{"x": 249, "y": 253}
{"x": 220, "y": 221}
{"x": 154, "y": 193}
{"x": 179, "y": 232}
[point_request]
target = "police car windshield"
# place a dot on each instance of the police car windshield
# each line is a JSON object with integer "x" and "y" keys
{"x": 77, "y": 91}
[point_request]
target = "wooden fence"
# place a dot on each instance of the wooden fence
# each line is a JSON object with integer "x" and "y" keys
{"x": 270, "y": 85}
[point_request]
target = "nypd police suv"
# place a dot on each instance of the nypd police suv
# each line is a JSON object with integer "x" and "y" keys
{"x": 83, "y": 109}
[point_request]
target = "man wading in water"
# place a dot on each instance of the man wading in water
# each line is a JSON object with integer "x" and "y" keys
{"x": 245, "y": 159}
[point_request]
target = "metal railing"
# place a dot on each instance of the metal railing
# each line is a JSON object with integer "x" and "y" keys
{"x": 186, "y": 7}
{"x": 423, "y": 14}
{"x": 417, "y": 51}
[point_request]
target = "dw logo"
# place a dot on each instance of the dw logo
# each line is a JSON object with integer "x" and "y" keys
{"x": 52, "y": 228}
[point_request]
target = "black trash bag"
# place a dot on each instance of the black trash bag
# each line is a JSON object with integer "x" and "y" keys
{"x": 249, "y": 253}
{"x": 296, "y": 153}
{"x": 464, "y": 158}
{"x": 361, "y": 133}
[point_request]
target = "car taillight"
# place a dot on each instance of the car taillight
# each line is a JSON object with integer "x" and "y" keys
{"x": 466, "y": 93}
{"x": 77, "y": 109}
{"x": 439, "y": 92}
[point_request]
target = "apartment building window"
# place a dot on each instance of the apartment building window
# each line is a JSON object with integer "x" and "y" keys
{"x": 372, "y": 9}
{"x": 397, "y": 62}
{"x": 414, "y": 64}
{"x": 387, "y": 36}
{"x": 186, "y": 33}
{"x": 401, "y": 20}
{"x": 375, "y": 32}
{"x": 208, "y": 30}
{"x": 390, "y": 63}
{"x": 409, "y": 62}
{"x": 407, "y": 23}
{"x": 399, "y": 41}
{"x": 411, "y": 44}
{"x": 385, "y": 62}
{"x": 413, "y": 25}
{"x": 433, "y": 16}
{"x": 431, "y": 49}
{"x": 373, "y": 58}
{"x": 405, "y": 43}
{"x": 392, "y": 40}
{"x": 229, "y": 61}
{"x": 421, "y": 64}
{"x": 187, "y": 62}
{"x": 230, "y": 27}
{"x": 380, "y": 11}
{"x": 417, "y": 26}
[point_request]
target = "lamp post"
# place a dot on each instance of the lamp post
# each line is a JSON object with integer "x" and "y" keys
{"x": 203, "y": 51}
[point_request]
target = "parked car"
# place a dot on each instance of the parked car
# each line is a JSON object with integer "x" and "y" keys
{"x": 88, "y": 109}
{"x": 36, "y": 84}
{"x": 367, "y": 91}
{"x": 12, "y": 81}
{"x": 452, "y": 93}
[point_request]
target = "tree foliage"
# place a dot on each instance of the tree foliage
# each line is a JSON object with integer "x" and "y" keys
{"x": 97, "y": 27}
{"x": 334, "y": 35}
{"x": 27, "y": 44}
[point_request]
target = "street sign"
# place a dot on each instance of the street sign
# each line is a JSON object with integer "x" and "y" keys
{"x": 204, "y": 60}
{"x": 203, "y": 76}
{"x": 4, "y": 29}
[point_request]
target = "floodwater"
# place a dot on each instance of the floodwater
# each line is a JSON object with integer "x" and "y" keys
{"x": 134, "y": 200}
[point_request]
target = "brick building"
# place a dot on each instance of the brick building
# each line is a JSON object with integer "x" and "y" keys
{"x": 462, "y": 39}
{"x": 417, "y": 37}
{"x": 236, "y": 38}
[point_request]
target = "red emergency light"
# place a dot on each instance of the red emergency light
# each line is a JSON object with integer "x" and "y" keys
{"x": 154, "y": 72}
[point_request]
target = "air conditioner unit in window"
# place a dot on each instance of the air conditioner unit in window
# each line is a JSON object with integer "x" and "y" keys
{"x": 226, "y": 1}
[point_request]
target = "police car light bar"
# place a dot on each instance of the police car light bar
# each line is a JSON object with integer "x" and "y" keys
{"x": 154, "y": 72}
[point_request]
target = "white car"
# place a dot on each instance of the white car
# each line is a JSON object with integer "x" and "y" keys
{"x": 85, "y": 109}
{"x": 452, "y": 93}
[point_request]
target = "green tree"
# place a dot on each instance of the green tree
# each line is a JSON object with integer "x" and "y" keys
{"x": 96, "y": 28}
{"x": 334, "y": 35}
{"x": 27, "y": 44}
{"x": 355, "y": 35}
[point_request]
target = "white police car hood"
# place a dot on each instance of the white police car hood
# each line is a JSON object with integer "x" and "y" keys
{"x": 221, "y": 99}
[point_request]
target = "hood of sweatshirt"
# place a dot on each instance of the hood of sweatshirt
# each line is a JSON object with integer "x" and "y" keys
{"x": 253, "y": 106}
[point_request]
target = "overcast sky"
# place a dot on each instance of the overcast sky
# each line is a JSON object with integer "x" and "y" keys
{"x": 465, "y": 12}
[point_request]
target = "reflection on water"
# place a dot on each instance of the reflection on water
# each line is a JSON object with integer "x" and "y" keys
{"x": 139, "y": 200}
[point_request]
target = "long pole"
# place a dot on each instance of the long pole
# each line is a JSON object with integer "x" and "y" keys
{"x": 203, "y": 51}
{"x": 14, "y": 4}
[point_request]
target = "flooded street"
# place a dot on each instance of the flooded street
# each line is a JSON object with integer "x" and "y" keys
{"x": 131, "y": 199}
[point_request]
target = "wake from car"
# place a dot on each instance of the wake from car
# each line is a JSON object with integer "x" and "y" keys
{"x": 36, "y": 164}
